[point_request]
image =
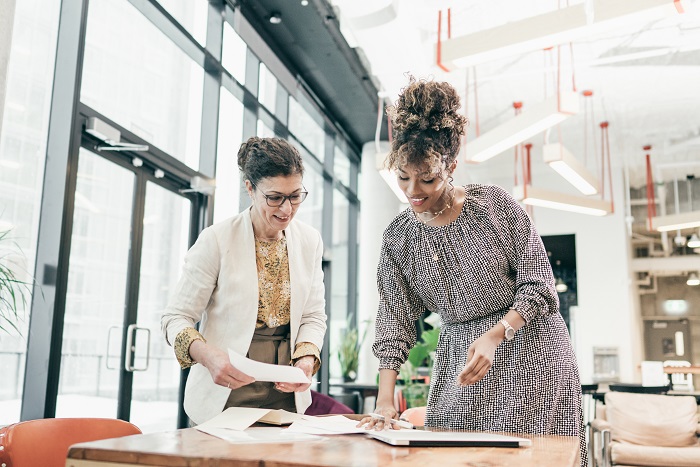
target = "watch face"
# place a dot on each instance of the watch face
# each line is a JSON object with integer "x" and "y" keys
{"x": 510, "y": 333}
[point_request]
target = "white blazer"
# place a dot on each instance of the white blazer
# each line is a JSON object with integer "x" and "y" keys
{"x": 219, "y": 289}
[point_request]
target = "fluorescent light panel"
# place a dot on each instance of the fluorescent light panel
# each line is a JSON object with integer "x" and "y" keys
{"x": 561, "y": 201}
{"x": 531, "y": 121}
{"x": 685, "y": 220}
{"x": 560, "y": 159}
{"x": 553, "y": 28}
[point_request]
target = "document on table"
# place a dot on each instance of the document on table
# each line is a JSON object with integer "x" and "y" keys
{"x": 240, "y": 418}
{"x": 266, "y": 371}
{"x": 260, "y": 435}
{"x": 332, "y": 425}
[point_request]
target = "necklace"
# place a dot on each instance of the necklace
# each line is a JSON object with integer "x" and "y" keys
{"x": 266, "y": 239}
{"x": 439, "y": 213}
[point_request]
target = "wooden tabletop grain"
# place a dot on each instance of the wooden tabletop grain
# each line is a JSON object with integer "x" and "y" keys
{"x": 189, "y": 447}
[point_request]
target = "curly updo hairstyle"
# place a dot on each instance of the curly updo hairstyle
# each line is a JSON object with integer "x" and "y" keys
{"x": 426, "y": 125}
{"x": 260, "y": 158}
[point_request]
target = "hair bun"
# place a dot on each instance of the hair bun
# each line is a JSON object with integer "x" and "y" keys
{"x": 425, "y": 105}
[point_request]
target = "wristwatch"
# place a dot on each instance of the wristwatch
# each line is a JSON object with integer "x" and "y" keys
{"x": 509, "y": 331}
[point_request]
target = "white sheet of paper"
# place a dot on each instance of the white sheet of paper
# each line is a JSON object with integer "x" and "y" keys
{"x": 332, "y": 425}
{"x": 257, "y": 435}
{"x": 234, "y": 418}
{"x": 266, "y": 371}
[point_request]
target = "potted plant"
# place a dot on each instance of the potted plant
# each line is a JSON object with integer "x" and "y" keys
{"x": 421, "y": 356}
{"x": 349, "y": 352}
{"x": 13, "y": 291}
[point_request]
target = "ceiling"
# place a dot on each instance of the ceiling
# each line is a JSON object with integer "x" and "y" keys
{"x": 644, "y": 77}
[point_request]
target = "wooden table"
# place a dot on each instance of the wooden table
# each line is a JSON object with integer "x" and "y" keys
{"x": 692, "y": 369}
{"x": 189, "y": 447}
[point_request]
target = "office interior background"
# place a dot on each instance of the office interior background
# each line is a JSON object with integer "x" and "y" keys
{"x": 120, "y": 121}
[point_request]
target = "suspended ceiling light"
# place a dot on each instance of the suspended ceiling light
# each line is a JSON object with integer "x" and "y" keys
{"x": 685, "y": 220}
{"x": 560, "y": 159}
{"x": 389, "y": 177}
{"x": 553, "y": 28}
{"x": 532, "y": 196}
{"x": 693, "y": 279}
{"x": 560, "y": 285}
{"x": 694, "y": 241}
{"x": 530, "y": 122}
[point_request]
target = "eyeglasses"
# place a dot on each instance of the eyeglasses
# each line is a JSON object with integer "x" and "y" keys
{"x": 275, "y": 201}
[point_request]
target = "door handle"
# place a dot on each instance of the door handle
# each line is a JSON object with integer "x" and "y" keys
{"x": 131, "y": 347}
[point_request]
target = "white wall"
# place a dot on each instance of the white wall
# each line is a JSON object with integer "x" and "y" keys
{"x": 608, "y": 308}
{"x": 379, "y": 206}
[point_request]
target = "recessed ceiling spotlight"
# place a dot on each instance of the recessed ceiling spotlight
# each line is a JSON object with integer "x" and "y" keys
{"x": 275, "y": 17}
{"x": 304, "y": 2}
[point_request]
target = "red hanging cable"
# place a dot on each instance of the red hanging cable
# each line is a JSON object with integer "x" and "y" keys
{"x": 606, "y": 138}
{"x": 476, "y": 104}
{"x": 439, "y": 43}
{"x": 528, "y": 165}
{"x": 651, "y": 203}
{"x": 528, "y": 177}
{"x": 449, "y": 23}
{"x": 573, "y": 71}
{"x": 517, "y": 106}
{"x": 586, "y": 116}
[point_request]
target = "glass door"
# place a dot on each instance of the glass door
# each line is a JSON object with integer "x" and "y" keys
{"x": 130, "y": 233}
{"x": 156, "y": 373}
{"x": 97, "y": 284}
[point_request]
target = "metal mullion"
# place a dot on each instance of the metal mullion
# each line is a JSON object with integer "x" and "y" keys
{"x": 44, "y": 340}
{"x": 353, "y": 217}
{"x": 173, "y": 30}
{"x": 211, "y": 98}
{"x": 132, "y": 292}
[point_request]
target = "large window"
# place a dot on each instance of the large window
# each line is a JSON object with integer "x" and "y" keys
{"x": 227, "y": 173}
{"x": 137, "y": 77}
{"x": 23, "y": 133}
{"x": 142, "y": 69}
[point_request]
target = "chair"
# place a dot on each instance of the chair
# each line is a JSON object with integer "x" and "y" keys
{"x": 322, "y": 404}
{"x": 646, "y": 429}
{"x": 588, "y": 401}
{"x": 680, "y": 381}
{"x": 45, "y": 442}
{"x": 414, "y": 415}
{"x": 638, "y": 388}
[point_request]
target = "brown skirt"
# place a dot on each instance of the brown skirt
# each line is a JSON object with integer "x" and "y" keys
{"x": 269, "y": 345}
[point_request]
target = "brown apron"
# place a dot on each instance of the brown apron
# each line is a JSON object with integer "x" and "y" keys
{"x": 270, "y": 345}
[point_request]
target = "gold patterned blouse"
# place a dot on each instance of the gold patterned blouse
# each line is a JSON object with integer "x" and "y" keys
{"x": 273, "y": 302}
{"x": 273, "y": 283}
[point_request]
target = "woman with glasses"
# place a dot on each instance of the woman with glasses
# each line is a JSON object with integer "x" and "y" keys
{"x": 254, "y": 284}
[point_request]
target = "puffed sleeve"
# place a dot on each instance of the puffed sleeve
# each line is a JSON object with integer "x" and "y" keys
{"x": 534, "y": 282}
{"x": 399, "y": 308}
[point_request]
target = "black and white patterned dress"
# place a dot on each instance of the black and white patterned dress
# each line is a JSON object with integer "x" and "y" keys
{"x": 470, "y": 272}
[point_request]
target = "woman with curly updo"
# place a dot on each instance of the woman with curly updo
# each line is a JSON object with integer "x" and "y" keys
{"x": 471, "y": 254}
{"x": 254, "y": 283}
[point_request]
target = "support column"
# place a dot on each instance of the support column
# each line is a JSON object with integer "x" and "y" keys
{"x": 379, "y": 207}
